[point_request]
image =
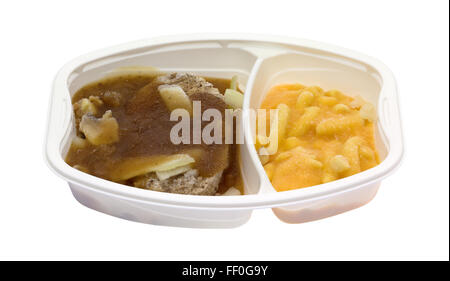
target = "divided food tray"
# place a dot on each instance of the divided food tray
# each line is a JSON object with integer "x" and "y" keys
{"x": 260, "y": 62}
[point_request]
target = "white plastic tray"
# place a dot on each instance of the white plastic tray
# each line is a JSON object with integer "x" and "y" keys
{"x": 260, "y": 62}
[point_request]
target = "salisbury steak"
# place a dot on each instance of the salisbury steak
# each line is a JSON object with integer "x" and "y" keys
{"x": 189, "y": 182}
{"x": 123, "y": 127}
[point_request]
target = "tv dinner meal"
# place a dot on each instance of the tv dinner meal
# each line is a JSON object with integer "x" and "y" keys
{"x": 200, "y": 130}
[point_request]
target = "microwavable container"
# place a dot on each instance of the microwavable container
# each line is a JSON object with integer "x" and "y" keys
{"x": 260, "y": 62}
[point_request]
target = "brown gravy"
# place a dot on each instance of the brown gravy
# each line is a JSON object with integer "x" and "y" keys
{"x": 144, "y": 130}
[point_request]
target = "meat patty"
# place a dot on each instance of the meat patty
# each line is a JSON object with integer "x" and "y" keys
{"x": 190, "y": 83}
{"x": 189, "y": 182}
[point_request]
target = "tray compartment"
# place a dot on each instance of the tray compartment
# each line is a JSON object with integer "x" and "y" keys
{"x": 209, "y": 59}
{"x": 329, "y": 72}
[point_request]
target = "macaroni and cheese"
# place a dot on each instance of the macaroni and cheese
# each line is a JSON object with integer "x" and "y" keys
{"x": 318, "y": 136}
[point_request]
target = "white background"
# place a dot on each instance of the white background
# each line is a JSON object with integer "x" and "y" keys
{"x": 408, "y": 219}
